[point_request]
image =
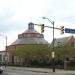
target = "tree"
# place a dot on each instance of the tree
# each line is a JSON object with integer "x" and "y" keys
{"x": 34, "y": 52}
{"x": 63, "y": 51}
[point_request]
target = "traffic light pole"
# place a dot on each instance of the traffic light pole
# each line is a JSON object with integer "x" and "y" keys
{"x": 53, "y": 53}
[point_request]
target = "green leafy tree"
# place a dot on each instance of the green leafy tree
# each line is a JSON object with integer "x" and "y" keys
{"x": 31, "y": 52}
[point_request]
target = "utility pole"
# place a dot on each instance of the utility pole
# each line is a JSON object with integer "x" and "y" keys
{"x": 53, "y": 53}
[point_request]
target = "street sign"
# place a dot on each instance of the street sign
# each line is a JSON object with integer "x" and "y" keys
{"x": 67, "y": 30}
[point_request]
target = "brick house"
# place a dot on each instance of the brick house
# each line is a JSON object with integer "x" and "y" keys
{"x": 3, "y": 57}
{"x": 28, "y": 38}
{"x": 70, "y": 40}
{"x": 31, "y": 38}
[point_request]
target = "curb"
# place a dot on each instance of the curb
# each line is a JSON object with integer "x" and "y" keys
{"x": 44, "y": 70}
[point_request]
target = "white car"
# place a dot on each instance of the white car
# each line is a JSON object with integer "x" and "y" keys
{"x": 1, "y": 69}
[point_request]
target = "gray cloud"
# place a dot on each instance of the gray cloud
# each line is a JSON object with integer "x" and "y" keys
{"x": 6, "y": 27}
{"x": 54, "y": 9}
{"x": 6, "y": 13}
{"x": 60, "y": 9}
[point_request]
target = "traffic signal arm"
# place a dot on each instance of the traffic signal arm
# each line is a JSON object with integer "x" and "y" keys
{"x": 43, "y": 26}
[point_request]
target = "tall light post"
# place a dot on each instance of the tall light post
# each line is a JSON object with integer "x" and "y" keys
{"x": 5, "y": 49}
{"x": 6, "y": 52}
{"x": 53, "y": 53}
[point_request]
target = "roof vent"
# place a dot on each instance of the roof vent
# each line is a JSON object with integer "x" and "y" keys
{"x": 31, "y": 25}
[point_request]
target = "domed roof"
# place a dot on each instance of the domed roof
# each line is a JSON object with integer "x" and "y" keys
{"x": 30, "y": 36}
{"x": 30, "y": 41}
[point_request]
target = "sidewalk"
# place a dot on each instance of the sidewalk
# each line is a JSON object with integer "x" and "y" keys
{"x": 44, "y": 70}
{"x": 57, "y": 71}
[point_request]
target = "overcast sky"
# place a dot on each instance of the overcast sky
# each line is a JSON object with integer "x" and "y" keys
{"x": 16, "y": 14}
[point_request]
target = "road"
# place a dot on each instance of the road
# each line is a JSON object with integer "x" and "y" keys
{"x": 33, "y": 71}
{"x": 20, "y": 71}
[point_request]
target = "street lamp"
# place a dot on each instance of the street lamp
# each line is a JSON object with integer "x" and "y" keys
{"x": 53, "y": 53}
{"x": 5, "y": 48}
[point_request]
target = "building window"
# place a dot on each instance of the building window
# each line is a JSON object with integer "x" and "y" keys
{"x": 72, "y": 44}
{"x": 38, "y": 35}
{"x": 0, "y": 58}
{"x": 20, "y": 36}
{"x": 58, "y": 44}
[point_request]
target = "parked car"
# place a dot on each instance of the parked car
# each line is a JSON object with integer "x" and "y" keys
{"x": 1, "y": 69}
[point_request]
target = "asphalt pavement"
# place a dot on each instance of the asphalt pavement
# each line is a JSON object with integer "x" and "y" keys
{"x": 42, "y": 70}
{"x": 57, "y": 71}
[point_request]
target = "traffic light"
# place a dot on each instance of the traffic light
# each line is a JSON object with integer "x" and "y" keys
{"x": 42, "y": 28}
{"x": 62, "y": 29}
